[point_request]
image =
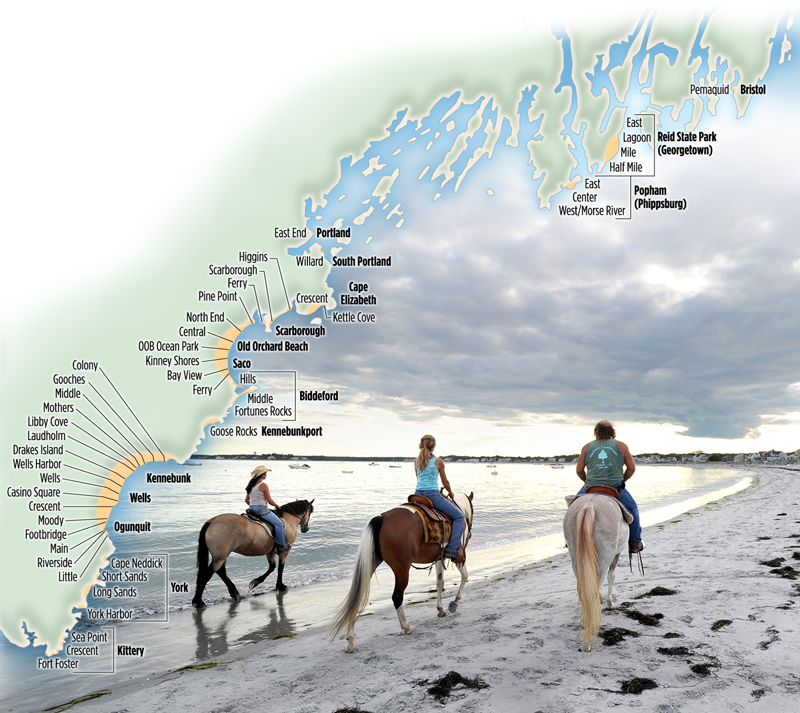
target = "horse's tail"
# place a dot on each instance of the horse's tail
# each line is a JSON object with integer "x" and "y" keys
{"x": 368, "y": 558}
{"x": 202, "y": 552}
{"x": 587, "y": 571}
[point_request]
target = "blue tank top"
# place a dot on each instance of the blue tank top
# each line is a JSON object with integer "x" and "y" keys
{"x": 604, "y": 463}
{"x": 428, "y": 479}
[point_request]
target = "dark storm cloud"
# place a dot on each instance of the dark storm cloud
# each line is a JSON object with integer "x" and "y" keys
{"x": 494, "y": 308}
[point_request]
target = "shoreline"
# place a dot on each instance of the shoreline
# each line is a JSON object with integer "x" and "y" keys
{"x": 716, "y": 577}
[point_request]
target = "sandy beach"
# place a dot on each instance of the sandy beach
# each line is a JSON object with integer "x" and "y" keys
{"x": 725, "y": 639}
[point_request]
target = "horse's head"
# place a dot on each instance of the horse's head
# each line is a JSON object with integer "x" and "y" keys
{"x": 306, "y": 516}
{"x": 464, "y": 503}
{"x": 301, "y": 509}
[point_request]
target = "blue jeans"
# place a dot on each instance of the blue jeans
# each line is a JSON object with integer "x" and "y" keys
{"x": 627, "y": 500}
{"x": 275, "y": 521}
{"x": 442, "y": 504}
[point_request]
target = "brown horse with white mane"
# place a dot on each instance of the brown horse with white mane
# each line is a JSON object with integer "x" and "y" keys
{"x": 228, "y": 533}
{"x": 397, "y": 538}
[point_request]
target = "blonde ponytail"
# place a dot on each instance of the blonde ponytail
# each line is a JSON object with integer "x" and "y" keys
{"x": 426, "y": 445}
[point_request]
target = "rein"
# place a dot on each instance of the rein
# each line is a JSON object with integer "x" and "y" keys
{"x": 429, "y": 567}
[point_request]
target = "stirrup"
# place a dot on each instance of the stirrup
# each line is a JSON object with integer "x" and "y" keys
{"x": 636, "y": 553}
{"x": 458, "y": 557}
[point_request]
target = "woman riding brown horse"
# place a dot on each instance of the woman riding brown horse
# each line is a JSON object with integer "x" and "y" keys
{"x": 397, "y": 538}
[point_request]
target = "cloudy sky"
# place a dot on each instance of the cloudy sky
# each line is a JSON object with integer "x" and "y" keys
{"x": 511, "y": 317}
{"x": 504, "y": 328}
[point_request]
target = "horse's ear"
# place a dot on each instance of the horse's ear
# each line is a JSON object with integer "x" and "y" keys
{"x": 312, "y": 501}
{"x": 470, "y": 496}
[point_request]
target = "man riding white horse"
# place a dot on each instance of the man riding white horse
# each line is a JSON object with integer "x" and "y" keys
{"x": 604, "y": 459}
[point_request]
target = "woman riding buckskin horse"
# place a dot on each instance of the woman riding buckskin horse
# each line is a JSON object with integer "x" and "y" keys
{"x": 429, "y": 469}
{"x": 604, "y": 458}
{"x": 257, "y": 498}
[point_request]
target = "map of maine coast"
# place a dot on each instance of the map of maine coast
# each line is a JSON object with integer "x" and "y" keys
{"x": 216, "y": 335}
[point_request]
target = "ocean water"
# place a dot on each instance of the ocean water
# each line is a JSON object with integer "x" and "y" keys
{"x": 512, "y": 502}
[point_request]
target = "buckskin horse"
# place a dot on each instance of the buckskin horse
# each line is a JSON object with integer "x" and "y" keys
{"x": 396, "y": 537}
{"x": 228, "y": 533}
{"x": 596, "y": 529}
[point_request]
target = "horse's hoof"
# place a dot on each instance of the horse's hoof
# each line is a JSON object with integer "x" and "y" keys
{"x": 254, "y": 584}
{"x": 453, "y": 607}
{"x": 410, "y": 630}
{"x": 281, "y": 588}
{"x": 442, "y": 612}
{"x": 199, "y": 605}
{"x": 351, "y": 650}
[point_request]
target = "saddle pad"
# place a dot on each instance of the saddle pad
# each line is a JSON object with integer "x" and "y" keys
{"x": 625, "y": 513}
{"x": 436, "y": 526}
{"x": 258, "y": 521}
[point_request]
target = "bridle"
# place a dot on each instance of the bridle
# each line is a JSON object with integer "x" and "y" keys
{"x": 304, "y": 519}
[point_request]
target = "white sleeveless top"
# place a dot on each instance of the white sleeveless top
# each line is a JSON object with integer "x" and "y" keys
{"x": 257, "y": 497}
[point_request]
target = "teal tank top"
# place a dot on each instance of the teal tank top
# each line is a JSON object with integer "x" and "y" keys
{"x": 428, "y": 479}
{"x": 604, "y": 464}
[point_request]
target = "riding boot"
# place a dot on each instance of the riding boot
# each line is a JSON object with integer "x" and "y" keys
{"x": 457, "y": 557}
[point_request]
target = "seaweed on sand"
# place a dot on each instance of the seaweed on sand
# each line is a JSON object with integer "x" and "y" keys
{"x": 616, "y": 635}
{"x": 637, "y": 685}
{"x": 674, "y": 651}
{"x": 785, "y": 572}
{"x": 443, "y": 685}
{"x": 717, "y": 625}
{"x": 657, "y": 592}
{"x": 82, "y": 699}
{"x": 646, "y": 619}
{"x": 703, "y": 669}
{"x": 773, "y": 562}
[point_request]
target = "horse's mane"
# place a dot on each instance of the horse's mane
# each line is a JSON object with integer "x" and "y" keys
{"x": 296, "y": 507}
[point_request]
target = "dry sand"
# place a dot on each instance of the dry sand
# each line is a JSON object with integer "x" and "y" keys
{"x": 520, "y": 635}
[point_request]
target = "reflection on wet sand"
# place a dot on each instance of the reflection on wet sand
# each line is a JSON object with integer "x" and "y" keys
{"x": 268, "y": 619}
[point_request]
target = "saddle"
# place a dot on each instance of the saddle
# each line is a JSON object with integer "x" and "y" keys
{"x": 436, "y": 526}
{"x": 591, "y": 490}
{"x": 254, "y": 517}
{"x": 603, "y": 490}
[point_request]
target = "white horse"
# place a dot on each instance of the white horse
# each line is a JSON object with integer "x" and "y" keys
{"x": 597, "y": 533}
{"x": 397, "y": 538}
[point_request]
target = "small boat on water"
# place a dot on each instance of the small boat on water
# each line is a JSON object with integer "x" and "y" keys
{"x": 395, "y": 466}
{"x": 374, "y": 463}
{"x": 347, "y": 471}
{"x": 556, "y": 466}
{"x": 297, "y": 466}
